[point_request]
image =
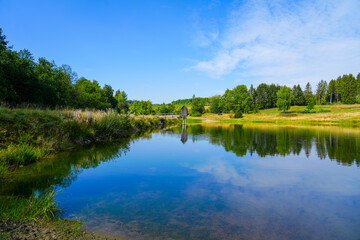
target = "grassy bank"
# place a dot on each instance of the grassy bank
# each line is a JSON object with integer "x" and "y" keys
{"x": 28, "y": 135}
{"x": 340, "y": 115}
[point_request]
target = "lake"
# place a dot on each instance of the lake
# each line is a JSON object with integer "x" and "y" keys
{"x": 210, "y": 182}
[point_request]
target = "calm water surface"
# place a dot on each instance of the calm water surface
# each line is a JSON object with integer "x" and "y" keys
{"x": 211, "y": 182}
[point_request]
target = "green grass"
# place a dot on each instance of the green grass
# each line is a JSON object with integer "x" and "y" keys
{"x": 27, "y": 135}
{"x": 21, "y": 154}
{"x": 40, "y": 210}
{"x": 37, "y": 206}
{"x": 340, "y": 115}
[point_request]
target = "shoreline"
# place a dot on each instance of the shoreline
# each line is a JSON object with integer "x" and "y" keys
{"x": 30, "y": 136}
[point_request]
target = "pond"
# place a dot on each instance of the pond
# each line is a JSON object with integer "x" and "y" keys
{"x": 210, "y": 182}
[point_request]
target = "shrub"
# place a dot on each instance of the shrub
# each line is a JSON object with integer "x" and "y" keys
{"x": 75, "y": 132}
{"x": 113, "y": 125}
{"x": 238, "y": 114}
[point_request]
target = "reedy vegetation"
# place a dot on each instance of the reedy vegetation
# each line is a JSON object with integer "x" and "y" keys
{"x": 27, "y": 135}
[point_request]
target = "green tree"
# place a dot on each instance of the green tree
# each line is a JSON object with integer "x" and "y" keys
{"x": 358, "y": 87}
{"x": 262, "y": 96}
{"x": 272, "y": 96}
{"x": 166, "y": 108}
{"x": 109, "y": 93}
{"x": 215, "y": 106}
{"x": 321, "y": 92}
{"x": 348, "y": 88}
{"x": 308, "y": 94}
{"x": 331, "y": 91}
{"x": 121, "y": 102}
{"x": 299, "y": 99}
{"x": 241, "y": 99}
{"x": 284, "y": 98}
{"x": 197, "y": 107}
{"x": 141, "y": 107}
{"x": 90, "y": 95}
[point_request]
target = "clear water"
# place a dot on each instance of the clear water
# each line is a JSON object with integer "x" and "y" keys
{"x": 211, "y": 182}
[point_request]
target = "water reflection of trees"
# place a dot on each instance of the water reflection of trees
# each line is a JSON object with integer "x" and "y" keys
{"x": 337, "y": 144}
{"x": 62, "y": 169}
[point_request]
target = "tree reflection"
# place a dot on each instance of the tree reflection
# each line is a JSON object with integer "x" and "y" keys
{"x": 342, "y": 145}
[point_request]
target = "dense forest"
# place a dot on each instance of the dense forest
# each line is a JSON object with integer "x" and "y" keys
{"x": 42, "y": 82}
{"x": 345, "y": 89}
{"x": 188, "y": 101}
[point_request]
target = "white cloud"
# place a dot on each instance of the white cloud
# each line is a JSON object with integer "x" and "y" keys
{"x": 222, "y": 171}
{"x": 288, "y": 42}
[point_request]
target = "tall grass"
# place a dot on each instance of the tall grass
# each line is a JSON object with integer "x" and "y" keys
{"x": 27, "y": 135}
{"x": 21, "y": 154}
{"x": 37, "y": 206}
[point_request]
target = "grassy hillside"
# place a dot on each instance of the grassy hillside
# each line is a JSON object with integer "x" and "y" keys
{"x": 342, "y": 115}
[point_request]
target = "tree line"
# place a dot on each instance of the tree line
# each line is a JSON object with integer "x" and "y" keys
{"x": 345, "y": 89}
{"x": 42, "y": 82}
{"x": 242, "y": 140}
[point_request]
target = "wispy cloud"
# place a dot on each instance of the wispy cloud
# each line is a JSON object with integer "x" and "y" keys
{"x": 287, "y": 42}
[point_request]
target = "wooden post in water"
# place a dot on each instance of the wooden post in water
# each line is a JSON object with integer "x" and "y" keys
{"x": 184, "y": 114}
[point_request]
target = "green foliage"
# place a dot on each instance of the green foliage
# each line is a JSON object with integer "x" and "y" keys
{"x": 266, "y": 95}
{"x": 215, "y": 106}
{"x": 3, "y": 168}
{"x": 21, "y": 154}
{"x": 347, "y": 89}
{"x": 331, "y": 93}
{"x": 311, "y": 105}
{"x": 197, "y": 107}
{"x": 142, "y": 107}
{"x": 75, "y": 132}
{"x": 205, "y": 101}
{"x": 166, "y": 108}
{"x": 27, "y": 135}
{"x": 321, "y": 92}
{"x": 113, "y": 126}
{"x": 121, "y": 98}
{"x": 299, "y": 99}
{"x": 308, "y": 95}
{"x": 23, "y": 80}
{"x": 284, "y": 98}
{"x": 37, "y": 206}
{"x": 90, "y": 95}
{"x": 238, "y": 113}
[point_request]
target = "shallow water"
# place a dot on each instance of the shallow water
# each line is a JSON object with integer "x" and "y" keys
{"x": 211, "y": 182}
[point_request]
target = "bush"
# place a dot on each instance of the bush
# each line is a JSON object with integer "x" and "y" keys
{"x": 238, "y": 114}
{"x": 358, "y": 98}
{"x": 75, "y": 132}
{"x": 320, "y": 110}
{"x": 113, "y": 125}
{"x": 311, "y": 105}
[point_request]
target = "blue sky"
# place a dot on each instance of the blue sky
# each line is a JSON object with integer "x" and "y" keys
{"x": 166, "y": 50}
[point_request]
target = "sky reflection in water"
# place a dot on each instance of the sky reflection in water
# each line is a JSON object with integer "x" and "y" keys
{"x": 229, "y": 182}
